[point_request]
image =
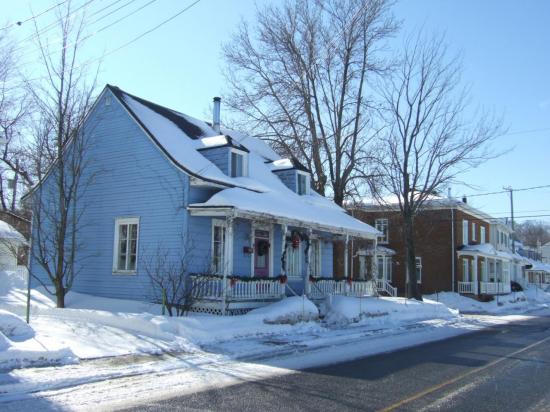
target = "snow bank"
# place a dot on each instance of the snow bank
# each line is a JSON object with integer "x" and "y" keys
{"x": 13, "y": 327}
{"x": 384, "y": 310}
{"x": 530, "y": 299}
{"x": 290, "y": 310}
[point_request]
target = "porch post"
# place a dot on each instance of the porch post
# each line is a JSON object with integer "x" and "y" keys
{"x": 346, "y": 254}
{"x": 228, "y": 264}
{"x": 283, "y": 249}
{"x": 308, "y": 259}
{"x": 475, "y": 275}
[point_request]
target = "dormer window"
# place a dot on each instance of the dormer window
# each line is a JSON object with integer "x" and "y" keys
{"x": 302, "y": 184}
{"x": 238, "y": 163}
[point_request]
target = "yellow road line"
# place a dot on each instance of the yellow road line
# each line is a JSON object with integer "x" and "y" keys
{"x": 459, "y": 377}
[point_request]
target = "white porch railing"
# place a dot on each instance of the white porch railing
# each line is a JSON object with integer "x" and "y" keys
{"x": 495, "y": 288}
{"x": 211, "y": 288}
{"x": 466, "y": 287}
{"x": 384, "y": 286}
{"x": 325, "y": 287}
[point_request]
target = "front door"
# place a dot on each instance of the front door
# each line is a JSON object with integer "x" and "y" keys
{"x": 261, "y": 253}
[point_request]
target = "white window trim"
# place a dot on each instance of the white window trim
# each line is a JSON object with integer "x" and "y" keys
{"x": 418, "y": 265}
{"x": 387, "y": 238}
{"x": 465, "y": 235}
{"x": 118, "y": 222}
{"x": 318, "y": 261}
{"x": 474, "y": 232}
{"x": 268, "y": 228}
{"x": 219, "y": 223}
{"x": 483, "y": 234}
{"x": 245, "y": 162}
{"x": 299, "y": 250}
{"x": 308, "y": 181}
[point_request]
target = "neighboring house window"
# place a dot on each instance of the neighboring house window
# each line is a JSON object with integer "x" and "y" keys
{"x": 315, "y": 264}
{"x": 218, "y": 247}
{"x": 465, "y": 232}
{"x": 126, "y": 241}
{"x": 418, "y": 269}
{"x": 474, "y": 232}
{"x": 293, "y": 260}
{"x": 238, "y": 164}
{"x": 382, "y": 226}
{"x": 302, "y": 183}
{"x": 384, "y": 268}
{"x": 482, "y": 238}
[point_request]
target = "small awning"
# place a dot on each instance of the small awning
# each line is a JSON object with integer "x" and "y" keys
{"x": 379, "y": 251}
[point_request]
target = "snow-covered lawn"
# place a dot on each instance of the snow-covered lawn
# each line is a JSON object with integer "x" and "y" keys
{"x": 97, "y": 339}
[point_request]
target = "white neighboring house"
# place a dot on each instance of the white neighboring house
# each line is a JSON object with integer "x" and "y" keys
{"x": 10, "y": 243}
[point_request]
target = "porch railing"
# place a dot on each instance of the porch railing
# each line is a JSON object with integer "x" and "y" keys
{"x": 318, "y": 288}
{"x": 211, "y": 287}
{"x": 495, "y": 288}
{"x": 466, "y": 287}
{"x": 384, "y": 286}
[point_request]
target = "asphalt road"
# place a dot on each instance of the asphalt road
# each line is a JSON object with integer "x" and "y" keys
{"x": 506, "y": 368}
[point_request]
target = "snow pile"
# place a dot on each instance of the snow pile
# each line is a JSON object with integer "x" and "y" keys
{"x": 384, "y": 310}
{"x": 290, "y": 310}
{"x": 530, "y": 299}
{"x": 13, "y": 327}
{"x": 8, "y": 232}
{"x": 10, "y": 280}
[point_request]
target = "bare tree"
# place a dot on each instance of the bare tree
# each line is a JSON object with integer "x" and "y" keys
{"x": 428, "y": 141}
{"x": 58, "y": 158}
{"x": 300, "y": 79}
{"x": 14, "y": 112}
{"x": 532, "y": 232}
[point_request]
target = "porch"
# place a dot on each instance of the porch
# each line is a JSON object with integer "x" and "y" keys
{"x": 258, "y": 259}
{"x": 484, "y": 271}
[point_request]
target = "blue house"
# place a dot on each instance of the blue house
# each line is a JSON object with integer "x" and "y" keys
{"x": 243, "y": 223}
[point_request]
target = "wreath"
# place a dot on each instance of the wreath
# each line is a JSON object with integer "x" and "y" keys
{"x": 263, "y": 247}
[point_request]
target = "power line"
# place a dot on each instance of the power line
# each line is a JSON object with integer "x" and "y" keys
{"x": 33, "y": 17}
{"x": 507, "y": 191}
{"x": 85, "y": 38}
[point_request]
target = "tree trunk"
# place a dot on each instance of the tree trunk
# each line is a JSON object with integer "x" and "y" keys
{"x": 60, "y": 295}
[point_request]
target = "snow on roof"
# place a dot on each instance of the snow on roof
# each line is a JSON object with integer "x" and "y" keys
{"x": 379, "y": 250}
{"x": 487, "y": 249}
{"x": 182, "y": 137}
{"x": 8, "y": 232}
{"x": 214, "y": 141}
{"x": 308, "y": 209}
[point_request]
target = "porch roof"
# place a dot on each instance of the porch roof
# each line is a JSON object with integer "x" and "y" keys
{"x": 291, "y": 209}
{"x": 380, "y": 250}
{"x": 538, "y": 266}
{"x": 485, "y": 250}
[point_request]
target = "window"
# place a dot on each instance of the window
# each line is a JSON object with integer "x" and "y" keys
{"x": 384, "y": 268}
{"x": 315, "y": 264}
{"x": 382, "y": 226}
{"x": 418, "y": 269}
{"x": 238, "y": 164}
{"x": 474, "y": 232}
{"x": 126, "y": 244}
{"x": 302, "y": 183}
{"x": 482, "y": 238}
{"x": 293, "y": 260}
{"x": 465, "y": 270}
{"x": 218, "y": 247}
{"x": 380, "y": 267}
{"x": 465, "y": 232}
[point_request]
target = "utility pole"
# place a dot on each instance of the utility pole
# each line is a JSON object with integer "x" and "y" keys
{"x": 509, "y": 189}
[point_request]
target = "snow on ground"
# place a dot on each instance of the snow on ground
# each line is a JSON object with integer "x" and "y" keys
{"x": 384, "y": 311}
{"x": 532, "y": 298}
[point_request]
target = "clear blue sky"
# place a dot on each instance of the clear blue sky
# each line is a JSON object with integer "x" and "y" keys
{"x": 504, "y": 44}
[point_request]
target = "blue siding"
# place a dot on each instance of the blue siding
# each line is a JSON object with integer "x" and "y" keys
{"x": 219, "y": 156}
{"x": 134, "y": 179}
{"x": 288, "y": 177}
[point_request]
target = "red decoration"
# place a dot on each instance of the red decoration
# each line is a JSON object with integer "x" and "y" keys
{"x": 312, "y": 279}
{"x": 232, "y": 282}
{"x": 349, "y": 281}
{"x": 283, "y": 279}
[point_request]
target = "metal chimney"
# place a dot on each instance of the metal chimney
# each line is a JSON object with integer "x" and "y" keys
{"x": 449, "y": 193}
{"x": 216, "y": 114}
{"x": 464, "y": 199}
